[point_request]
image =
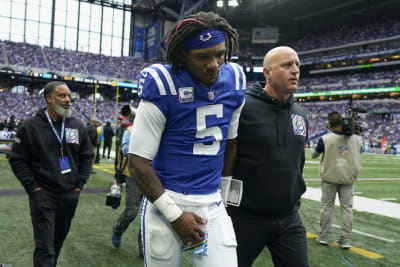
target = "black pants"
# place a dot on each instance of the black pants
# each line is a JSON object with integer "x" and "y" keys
{"x": 51, "y": 215}
{"x": 106, "y": 146}
{"x": 132, "y": 204}
{"x": 97, "y": 156}
{"x": 285, "y": 238}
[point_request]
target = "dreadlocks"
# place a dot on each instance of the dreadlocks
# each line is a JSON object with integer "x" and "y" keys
{"x": 192, "y": 25}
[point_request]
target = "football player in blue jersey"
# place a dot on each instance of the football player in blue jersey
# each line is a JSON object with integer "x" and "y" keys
{"x": 184, "y": 140}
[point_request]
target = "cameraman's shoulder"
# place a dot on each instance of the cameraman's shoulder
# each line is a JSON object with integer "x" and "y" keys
{"x": 358, "y": 137}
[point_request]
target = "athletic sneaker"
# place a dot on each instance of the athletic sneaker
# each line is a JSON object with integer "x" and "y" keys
{"x": 116, "y": 240}
{"x": 322, "y": 240}
{"x": 343, "y": 243}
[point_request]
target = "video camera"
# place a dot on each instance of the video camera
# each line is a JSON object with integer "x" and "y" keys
{"x": 114, "y": 197}
{"x": 351, "y": 122}
{"x": 128, "y": 112}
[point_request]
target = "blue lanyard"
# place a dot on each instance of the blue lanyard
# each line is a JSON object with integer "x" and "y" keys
{"x": 60, "y": 139}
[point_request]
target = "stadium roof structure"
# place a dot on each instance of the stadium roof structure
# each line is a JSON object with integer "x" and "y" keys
{"x": 299, "y": 16}
{"x": 292, "y": 16}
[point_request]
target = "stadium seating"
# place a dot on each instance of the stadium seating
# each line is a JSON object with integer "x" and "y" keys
{"x": 65, "y": 62}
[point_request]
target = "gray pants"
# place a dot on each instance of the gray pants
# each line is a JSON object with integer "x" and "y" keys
{"x": 132, "y": 204}
{"x": 345, "y": 192}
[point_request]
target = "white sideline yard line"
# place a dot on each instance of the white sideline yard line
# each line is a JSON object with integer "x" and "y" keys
{"x": 369, "y": 235}
{"x": 360, "y": 179}
{"x": 365, "y": 204}
{"x": 364, "y": 168}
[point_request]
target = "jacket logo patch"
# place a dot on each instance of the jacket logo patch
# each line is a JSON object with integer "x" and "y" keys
{"x": 71, "y": 136}
{"x": 299, "y": 125}
{"x": 186, "y": 94}
{"x": 343, "y": 150}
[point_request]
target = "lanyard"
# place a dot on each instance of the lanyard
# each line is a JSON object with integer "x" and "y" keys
{"x": 60, "y": 139}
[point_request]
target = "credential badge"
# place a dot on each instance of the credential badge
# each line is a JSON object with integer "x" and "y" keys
{"x": 185, "y": 94}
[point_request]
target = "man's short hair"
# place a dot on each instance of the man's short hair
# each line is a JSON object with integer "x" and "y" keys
{"x": 334, "y": 119}
{"x": 50, "y": 87}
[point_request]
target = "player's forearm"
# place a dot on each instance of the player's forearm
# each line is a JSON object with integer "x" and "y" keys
{"x": 229, "y": 157}
{"x": 145, "y": 176}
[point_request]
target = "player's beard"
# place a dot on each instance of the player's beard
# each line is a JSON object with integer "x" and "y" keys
{"x": 63, "y": 112}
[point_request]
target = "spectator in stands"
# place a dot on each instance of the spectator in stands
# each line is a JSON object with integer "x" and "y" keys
{"x": 270, "y": 162}
{"x": 3, "y": 124}
{"x": 52, "y": 157}
{"x": 108, "y": 135}
{"x": 339, "y": 170}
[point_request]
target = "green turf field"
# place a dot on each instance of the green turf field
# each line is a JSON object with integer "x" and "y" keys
{"x": 89, "y": 241}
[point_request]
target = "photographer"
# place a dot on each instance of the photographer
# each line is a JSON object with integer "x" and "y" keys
{"x": 340, "y": 165}
{"x": 122, "y": 122}
{"x": 133, "y": 194}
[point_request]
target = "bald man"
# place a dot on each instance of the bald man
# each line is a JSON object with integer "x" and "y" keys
{"x": 270, "y": 158}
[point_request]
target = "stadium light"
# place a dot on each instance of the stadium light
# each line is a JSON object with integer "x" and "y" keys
{"x": 233, "y": 3}
{"x": 220, "y": 3}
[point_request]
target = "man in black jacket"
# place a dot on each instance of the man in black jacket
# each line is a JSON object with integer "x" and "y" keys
{"x": 108, "y": 135}
{"x": 51, "y": 157}
{"x": 270, "y": 158}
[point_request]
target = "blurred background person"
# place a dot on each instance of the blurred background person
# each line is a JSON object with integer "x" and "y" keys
{"x": 340, "y": 166}
{"x": 100, "y": 139}
{"x": 132, "y": 198}
{"x": 108, "y": 135}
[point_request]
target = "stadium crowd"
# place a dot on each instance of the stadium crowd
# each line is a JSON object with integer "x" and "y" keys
{"x": 349, "y": 81}
{"x": 72, "y": 63}
{"x": 347, "y": 34}
{"x": 127, "y": 68}
{"x": 381, "y": 121}
{"x": 11, "y": 105}
{"x": 380, "y": 124}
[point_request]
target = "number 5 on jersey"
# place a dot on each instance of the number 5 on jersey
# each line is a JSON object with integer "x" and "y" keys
{"x": 202, "y": 130}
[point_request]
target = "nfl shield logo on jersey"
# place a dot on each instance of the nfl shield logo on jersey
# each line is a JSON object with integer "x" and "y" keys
{"x": 211, "y": 95}
{"x": 185, "y": 94}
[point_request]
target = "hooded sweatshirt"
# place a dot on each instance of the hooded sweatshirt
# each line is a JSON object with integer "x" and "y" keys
{"x": 270, "y": 154}
{"x": 35, "y": 154}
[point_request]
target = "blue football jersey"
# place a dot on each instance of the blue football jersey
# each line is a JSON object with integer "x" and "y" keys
{"x": 191, "y": 151}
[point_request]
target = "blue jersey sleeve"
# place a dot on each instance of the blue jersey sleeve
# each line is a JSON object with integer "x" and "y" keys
{"x": 155, "y": 85}
{"x": 237, "y": 81}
